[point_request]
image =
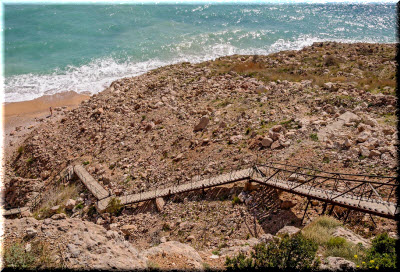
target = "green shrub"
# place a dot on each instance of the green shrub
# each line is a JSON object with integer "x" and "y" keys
{"x": 294, "y": 252}
{"x": 235, "y": 200}
{"x": 346, "y": 250}
{"x": 56, "y": 196}
{"x": 114, "y": 206}
{"x": 314, "y": 136}
{"x": 320, "y": 230}
{"x": 330, "y": 61}
{"x": 79, "y": 206}
{"x": 239, "y": 262}
{"x": 382, "y": 253}
{"x": 85, "y": 162}
{"x": 15, "y": 256}
{"x": 92, "y": 211}
{"x": 325, "y": 159}
{"x": 336, "y": 242}
{"x": 21, "y": 149}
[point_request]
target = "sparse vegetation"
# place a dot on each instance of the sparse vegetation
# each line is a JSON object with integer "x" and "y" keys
{"x": 235, "y": 200}
{"x": 320, "y": 231}
{"x": 21, "y": 149}
{"x": 57, "y": 196}
{"x": 114, "y": 206}
{"x": 314, "y": 137}
{"x": 330, "y": 61}
{"x": 294, "y": 252}
{"x": 17, "y": 257}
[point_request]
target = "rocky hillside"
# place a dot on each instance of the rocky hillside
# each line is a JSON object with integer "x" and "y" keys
{"x": 142, "y": 129}
{"x": 60, "y": 242}
{"x": 329, "y": 106}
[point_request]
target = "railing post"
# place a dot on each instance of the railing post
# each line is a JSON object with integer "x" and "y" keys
{"x": 305, "y": 211}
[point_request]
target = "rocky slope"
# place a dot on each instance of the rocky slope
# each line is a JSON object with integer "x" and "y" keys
{"x": 329, "y": 106}
{"x": 76, "y": 244}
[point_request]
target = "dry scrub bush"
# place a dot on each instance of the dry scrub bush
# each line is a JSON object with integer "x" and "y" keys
{"x": 57, "y": 196}
{"x": 320, "y": 231}
{"x": 17, "y": 257}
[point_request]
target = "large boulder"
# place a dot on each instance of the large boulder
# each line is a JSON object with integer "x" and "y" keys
{"x": 296, "y": 177}
{"x": 70, "y": 204}
{"x": 266, "y": 237}
{"x": 30, "y": 233}
{"x": 291, "y": 230}
{"x": 266, "y": 142}
{"x": 88, "y": 246}
{"x": 287, "y": 204}
{"x": 337, "y": 264}
{"x": 350, "y": 236}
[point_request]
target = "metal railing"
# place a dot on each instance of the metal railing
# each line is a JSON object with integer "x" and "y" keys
{"x": 335, "y": 187}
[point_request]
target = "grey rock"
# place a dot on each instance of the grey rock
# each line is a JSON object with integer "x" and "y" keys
{"x": 70, "y": 204}
{"x": 266, "y": 237}
{"x": 337, "y": 264}
{"x": 291, "y": 230}
{"x": 30, "y": 233}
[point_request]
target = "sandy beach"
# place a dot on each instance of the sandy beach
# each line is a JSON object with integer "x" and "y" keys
{"x": 21, "y": 117}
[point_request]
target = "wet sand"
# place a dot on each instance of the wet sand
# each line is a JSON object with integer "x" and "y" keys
{"x": 19, "y": 118}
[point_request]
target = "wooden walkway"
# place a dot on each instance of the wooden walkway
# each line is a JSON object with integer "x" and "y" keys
{"x": 231, "y": 177}
{"x": 372, "y": 206}
{"x": 93, "y": 186}
{"x": 347, "y": 199}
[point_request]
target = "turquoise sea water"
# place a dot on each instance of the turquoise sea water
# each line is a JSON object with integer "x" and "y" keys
{"x": 55, "y": 48}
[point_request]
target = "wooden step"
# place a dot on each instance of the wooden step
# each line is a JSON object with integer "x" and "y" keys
{"x": 207, "y": 182}
{"x": 91, "y": 184}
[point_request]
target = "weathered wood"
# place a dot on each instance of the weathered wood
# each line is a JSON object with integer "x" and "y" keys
{"x": 384, "y": 209}
{"x": 15, "y": 211}
{"x": 91, "y": 184}
{"x": 191, "y": 186}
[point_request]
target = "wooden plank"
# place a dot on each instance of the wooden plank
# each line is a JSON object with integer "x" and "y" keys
{"x": 15, "y": 211}
{"x": 218, "y": 180}
{"x": 385, "y": 209}
{"x": 91, "y": 184}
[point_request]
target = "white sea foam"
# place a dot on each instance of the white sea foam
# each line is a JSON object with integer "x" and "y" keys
{"x": 98, "y": 74}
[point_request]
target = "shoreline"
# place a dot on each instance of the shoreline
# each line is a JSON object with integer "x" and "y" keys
{"x": 21, "y": 117}
{"x": 163, "y": 63}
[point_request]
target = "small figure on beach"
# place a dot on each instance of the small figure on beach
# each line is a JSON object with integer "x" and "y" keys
{"x": 51, "y": 111}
